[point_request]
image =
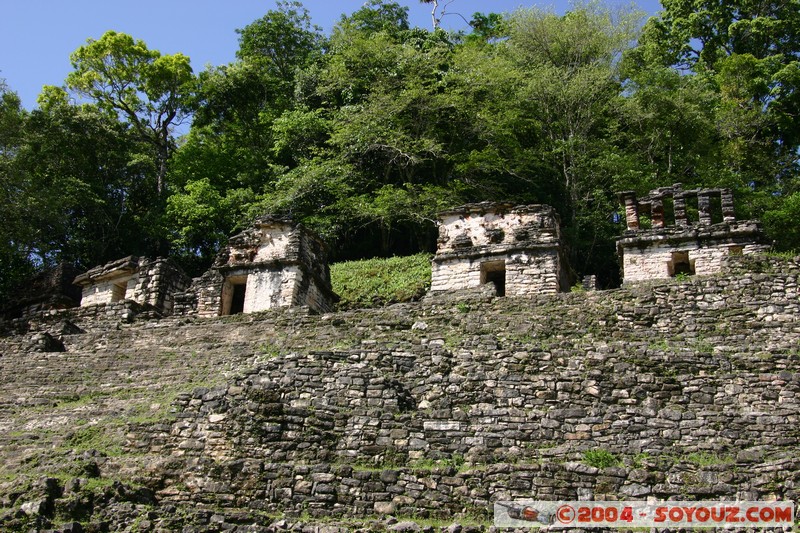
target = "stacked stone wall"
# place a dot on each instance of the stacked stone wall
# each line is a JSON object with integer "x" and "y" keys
{"x": 280, "y": 263}
{"x": 438, "y": 408}
{"x": 156, "y": 284}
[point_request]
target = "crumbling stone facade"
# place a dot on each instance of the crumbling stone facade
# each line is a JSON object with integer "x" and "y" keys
{"x": 144, "y": 281}
{"x": 48, "y": 290}
{"x": 517, "y": 249}
{"x": 678, "y": 242}
{"x": 274, "y": 263}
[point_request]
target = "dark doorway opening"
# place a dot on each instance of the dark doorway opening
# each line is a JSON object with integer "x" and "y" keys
{"x": 237, "y": 298}
{"x": 681, "y": 265}
{"x": 494, "y": 272}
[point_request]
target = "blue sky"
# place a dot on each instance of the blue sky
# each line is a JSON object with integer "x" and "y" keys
{"x": 37, "y": 36}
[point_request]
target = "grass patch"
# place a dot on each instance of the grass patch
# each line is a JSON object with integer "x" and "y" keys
{"x": 709, "y": 459}
{"x": 456, "y": 461}
{"x": 378, "y": 282}
{"x": 106, "y": 440}
{"x": 600, "y": 458}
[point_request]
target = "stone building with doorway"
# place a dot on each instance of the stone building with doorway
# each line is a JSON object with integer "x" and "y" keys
{"x": 672, "y": 232}
{"x": 149, "y": 282}
{"x": 274, "y": 263}
{"x": 516, "y": 249}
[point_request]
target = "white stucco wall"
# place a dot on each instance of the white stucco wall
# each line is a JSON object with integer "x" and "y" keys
{"x": 102, "y": 292}
{"x": 267, "y": 289}
{"x": 274, "y": 244}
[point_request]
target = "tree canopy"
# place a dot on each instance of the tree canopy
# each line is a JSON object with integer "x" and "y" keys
{"x": 366, "y": 132}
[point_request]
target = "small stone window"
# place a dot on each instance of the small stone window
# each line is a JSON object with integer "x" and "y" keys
{"x": 680, "y": 264}
{"x": 494, "y": 272}
{"x": 233, "y": 295}
{"x": 736, "y": 250}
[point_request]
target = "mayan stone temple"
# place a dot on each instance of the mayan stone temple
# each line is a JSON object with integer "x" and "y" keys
{"x": 274, "y": 263}
{"x": 151, "y": 282}
{"x": 516, "y": 249}
{"x": 678, "y": 241}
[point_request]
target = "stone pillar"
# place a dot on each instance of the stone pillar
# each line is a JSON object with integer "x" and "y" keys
{"x": 657, "y": 211}
{"x": 680, "y": 209}
{"x": 726, "y": 198}
{"x": 628, "y": 198}
{"x": 704, "y": 208}
{"x": 589, "y": 282}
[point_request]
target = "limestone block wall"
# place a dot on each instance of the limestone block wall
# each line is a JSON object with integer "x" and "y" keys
{"x": 277, "y": 263}
{"x": 505, "y": 401}
{"x": 526, "y": 273}
{"x": 530, "y": 273}
{"x": 156, "y": 283}
{"x": 653, "y": 262}
{"x": 203, "y": 297}
{"x": 514, "y": 247}
{"x": 426, "y": 409}
{"x": 454, "y": 274}
{"x": 147, "y": 282}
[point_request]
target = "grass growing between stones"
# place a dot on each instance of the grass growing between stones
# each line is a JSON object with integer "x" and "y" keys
{"x": 600, "y": 458}
{"x": 709, "y": 459}
{"x": 377, "y": 282}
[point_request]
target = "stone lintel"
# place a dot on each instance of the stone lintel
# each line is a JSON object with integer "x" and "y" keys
{"x": 120, "y": 268}
{"x": 275, "y": 264}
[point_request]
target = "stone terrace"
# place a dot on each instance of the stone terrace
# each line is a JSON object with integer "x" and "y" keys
{"x": 425, "y": 411}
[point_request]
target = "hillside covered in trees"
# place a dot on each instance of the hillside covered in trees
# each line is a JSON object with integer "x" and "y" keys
{"x": 366, "y": 132}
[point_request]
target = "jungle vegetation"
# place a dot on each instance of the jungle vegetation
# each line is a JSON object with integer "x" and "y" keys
{"x": 365, "y": 132}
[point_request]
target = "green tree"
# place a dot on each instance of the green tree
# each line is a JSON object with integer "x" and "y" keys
{"x": 745, "y": 53}
{"x": 281, "y": 43}
{"x": 571, "y": 64}
{"x": 149, "y": 90}
{"x": 246, "y": 132}
{"x": 488, "y": 27}
{"x": 86, "y": 194}
{"x": 15, "y": 263}
{"x": 375, "y": 16}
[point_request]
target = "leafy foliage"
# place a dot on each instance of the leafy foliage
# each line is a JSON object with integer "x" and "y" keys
{"x": 365, "y": 133}
{"x": 149, "y": 90}
{"x": 600, "y": 458}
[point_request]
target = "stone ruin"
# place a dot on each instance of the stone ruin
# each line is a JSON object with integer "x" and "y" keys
{"x": 274, "y": 263}
{"x": 703, "y": 233}
{"x": 506, "y": 249}
{"x": 148, "y": 282}
{"x": 516, "y": 249}
{"x": 48, "y": 290}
